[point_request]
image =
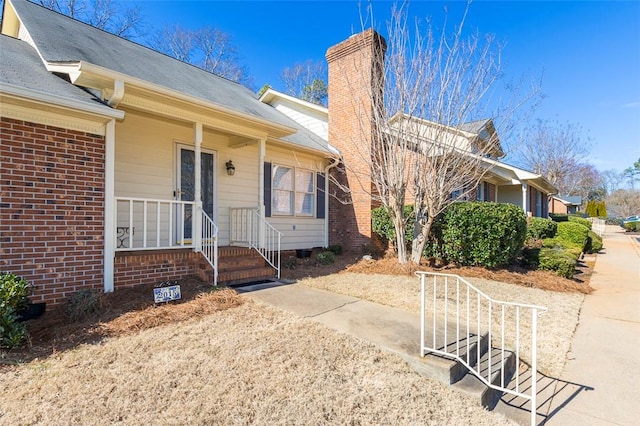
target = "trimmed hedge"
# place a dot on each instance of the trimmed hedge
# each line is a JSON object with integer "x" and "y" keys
{"x": 573, "y": 232}
{"x": 560, "y": 261}
{"x": 594, "y": 243}
{"x": 558, "y": 217}
{"x": 539, "y": 228}
{"x": 581, "y": 221}
{"x": 483, "y": 234}
{"x": 14, "y": 293}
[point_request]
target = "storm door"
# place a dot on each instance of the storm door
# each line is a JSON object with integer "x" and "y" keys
{"x": 186, "y": 186}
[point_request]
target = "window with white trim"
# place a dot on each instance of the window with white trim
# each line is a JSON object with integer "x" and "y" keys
{"x": 293, "y": 191}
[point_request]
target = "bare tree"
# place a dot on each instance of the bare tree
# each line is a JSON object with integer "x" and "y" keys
{"x": 611, "y": 180}
{"x": 306, "y": 80}
{"x": 427, "y": 149}
{"x": 623, "y": 203}
{"x": 208, "y": 48}
{"x": 557, "y": 152}
{"x": 112, "y": 16}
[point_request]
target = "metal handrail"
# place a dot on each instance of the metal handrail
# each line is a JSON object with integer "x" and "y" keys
{"x": 209, "y": 243}
{"x": 468, "y": 328}
{"x": 249, "y": 228}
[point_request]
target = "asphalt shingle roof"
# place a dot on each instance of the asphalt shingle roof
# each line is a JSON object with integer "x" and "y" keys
{"x": 20, "y": 66}
{"x": 60, "y": 39}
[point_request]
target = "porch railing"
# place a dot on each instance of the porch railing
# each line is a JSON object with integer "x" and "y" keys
{"x": 152, "y": 224}
{"x": 248, "y": 227}
{"x": 457, "y": 315}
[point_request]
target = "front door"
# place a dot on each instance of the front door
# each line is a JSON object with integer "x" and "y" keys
{"x": 186, "y": 185}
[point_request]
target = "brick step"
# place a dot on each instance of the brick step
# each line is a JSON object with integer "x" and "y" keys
{"x": 246, "y": 276}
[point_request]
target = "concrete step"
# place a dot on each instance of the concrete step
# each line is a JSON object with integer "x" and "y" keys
{"x": 449, "y": 370}
{"x": 503, "y": 366}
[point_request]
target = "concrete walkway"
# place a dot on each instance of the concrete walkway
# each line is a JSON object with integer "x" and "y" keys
{"x": 605, "y": 352}
{"x": 600, "y": 384}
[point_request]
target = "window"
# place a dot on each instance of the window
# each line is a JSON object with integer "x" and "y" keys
{"x": 293, "y": 191}
{"x": 480, "y": 192}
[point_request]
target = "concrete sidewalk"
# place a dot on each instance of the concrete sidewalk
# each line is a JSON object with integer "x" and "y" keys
{"x": 604, "y": 353}
{"x": 600, "y": 382}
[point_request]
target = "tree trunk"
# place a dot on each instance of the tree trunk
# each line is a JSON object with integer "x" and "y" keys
{"x": 420, "y": 234}
{"x": 401, "y": 240}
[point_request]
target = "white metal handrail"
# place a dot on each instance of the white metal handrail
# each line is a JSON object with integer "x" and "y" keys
{"x": 151, "y": 224}
{"x": 455, "y": 301}
{"x": 598, "y": 226}
{"x": 248, "y": 227}
{"x": 209, "y": 243}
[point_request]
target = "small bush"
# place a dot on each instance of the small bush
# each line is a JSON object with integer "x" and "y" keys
{"x": 557, "y": 217}
{"x": 483, "y": 234}
{"x": 539, "y": 228}
{"x": 336, "y": 249}
{"x": 594, "y": 243}
{"x": 581, "y": 221}
{"x": 573, "y": 232}
{"x": 614, "y": 221}
{"x": 289, "y": 263}
{"x": 632, "y": 226}
{"x": 559, "y": 261}
{"x": 325, "y": 257}
{"x": 14, "y": 293}
{"x": 83, "y": 303}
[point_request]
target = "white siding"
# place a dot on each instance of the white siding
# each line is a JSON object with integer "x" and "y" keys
{"x": 312, "y": 120}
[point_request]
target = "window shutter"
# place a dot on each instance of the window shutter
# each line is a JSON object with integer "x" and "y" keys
{"x": 267, "y": 189}
{"x": 320, "y": 200}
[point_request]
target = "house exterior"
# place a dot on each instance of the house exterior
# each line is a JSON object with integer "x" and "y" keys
{"x": 565, "y": 204}
{"x": 102, "y": 141}
{"x": 121, "y": 166}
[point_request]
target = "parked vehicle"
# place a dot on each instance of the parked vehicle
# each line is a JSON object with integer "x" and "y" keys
{"x": 632, "y": 223}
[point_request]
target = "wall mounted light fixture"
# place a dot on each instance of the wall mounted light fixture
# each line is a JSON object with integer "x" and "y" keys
{"x": 231, "y": 169}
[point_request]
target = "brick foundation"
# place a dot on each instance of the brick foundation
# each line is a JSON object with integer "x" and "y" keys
{"x": 136, "y": 268}
{"x": 51, "y": 208}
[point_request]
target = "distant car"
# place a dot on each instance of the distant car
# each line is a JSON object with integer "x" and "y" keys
{"x": 631, "y": 223}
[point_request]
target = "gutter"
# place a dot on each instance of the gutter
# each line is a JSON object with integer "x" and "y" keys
{"x": 97, "y": 109}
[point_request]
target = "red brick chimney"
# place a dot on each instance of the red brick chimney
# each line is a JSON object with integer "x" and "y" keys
{"x": 356, "y": 73}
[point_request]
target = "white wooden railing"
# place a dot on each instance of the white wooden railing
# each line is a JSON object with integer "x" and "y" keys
{"x": 248, "y": 227}
{"x": 456, "y": 315}
{"x": 152, "y": 224}
{"x": 597, "y": 225}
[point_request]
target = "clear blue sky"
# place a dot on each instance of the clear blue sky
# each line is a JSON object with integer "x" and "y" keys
{"x": 587, "y": 52}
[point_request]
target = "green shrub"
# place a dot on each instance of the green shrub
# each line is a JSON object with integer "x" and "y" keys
{"x": 613, "y": 221}
{"x": 573, "y": 232}
{"x": 594, "y": 243}
{"x": 560, "y": 261}
{"x": 632, "y": 226}
{"x": 539, "y": 228}
{"x": 382, "y": 224}
{"x": 581, "y": 221}
{"x": 14, "y": 293}
{"x": 336, "y": 249}
{"x": 558, "y": 217}
{"x": 325, "y": 257}
{"x": 483, "y": 234}
{"x": 83, "y": 303}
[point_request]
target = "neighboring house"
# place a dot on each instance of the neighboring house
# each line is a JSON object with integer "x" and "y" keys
{"x": 120, "y": 165}
{"x": 565, "y": 204}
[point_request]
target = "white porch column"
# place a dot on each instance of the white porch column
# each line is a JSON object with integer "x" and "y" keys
{"x": 496, "y": 193}
{"x": 261, "y": 154}
{"x": 196, "y": 233}
{"x": 524, "y": 198}
{"x": 109, "y": 205}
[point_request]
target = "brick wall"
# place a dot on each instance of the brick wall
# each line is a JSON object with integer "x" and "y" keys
{"x": 355, "y": 73}
{"x": 51, "y": 208}
{"x": 136, "y": 268}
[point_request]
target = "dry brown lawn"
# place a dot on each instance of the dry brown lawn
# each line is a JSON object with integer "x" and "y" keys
{"x": 249, "y": 364}
{"x": 214, "y": 358}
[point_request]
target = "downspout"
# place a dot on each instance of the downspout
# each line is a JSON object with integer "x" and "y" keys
{"x": 118, "y": 94}
{"x": 261, "y": 156}
{"x": 332, "y": 165}
{"x": 109, "y": 206}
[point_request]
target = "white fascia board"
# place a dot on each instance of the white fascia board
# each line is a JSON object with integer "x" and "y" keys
{"x": 317, "y": 151}
{"x": 47, "y": 98}
{"x": 270, "y": 94}
{"x": 279, "y": 129}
